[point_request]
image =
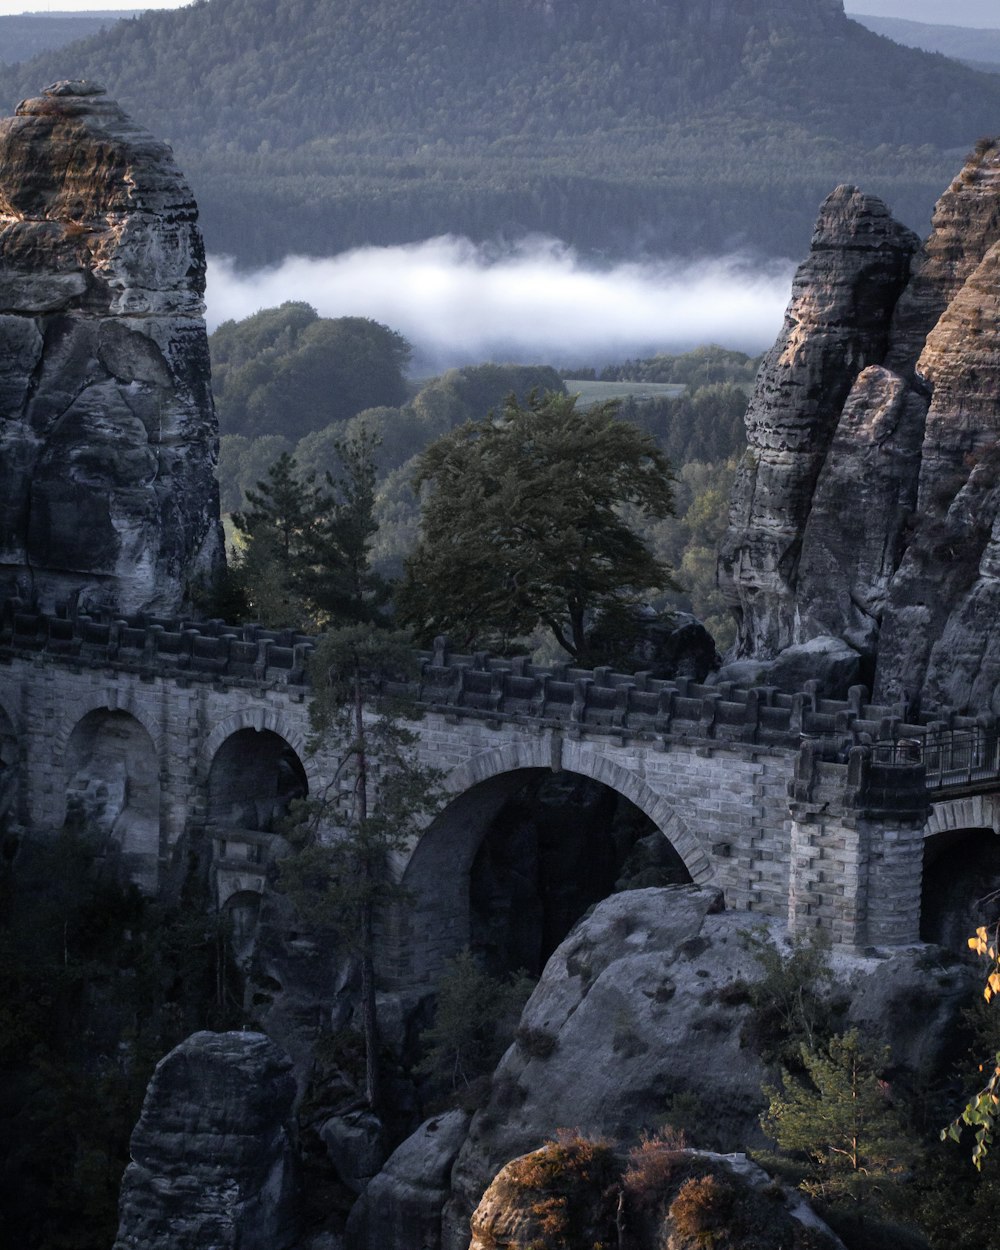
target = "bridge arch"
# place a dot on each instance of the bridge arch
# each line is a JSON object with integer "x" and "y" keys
{"x": 111, "y": 775}
{"x": 260, "y": 719}
{"x": 436, "y": 923}
{"x": 111, "y": 704}
{"x": 252, "y": 778}
{"x": 961, "y": 869}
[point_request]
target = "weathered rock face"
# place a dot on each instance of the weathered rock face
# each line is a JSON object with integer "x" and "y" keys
{"x": 837, "y": 323}
{"x": 638, "y": 1005}
{"x": 401, "y": 1208}
{"x": 866, "y": 508}
{"x": 586, "y": 1189}
{"x": 107, "y": 426}
{"x": 211, "y": 1154}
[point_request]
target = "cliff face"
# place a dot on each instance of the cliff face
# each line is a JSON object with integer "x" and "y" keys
{"x": 865, "y": 508}
{"x": 212, "y": 1152}
{"x": 107, "y": 426}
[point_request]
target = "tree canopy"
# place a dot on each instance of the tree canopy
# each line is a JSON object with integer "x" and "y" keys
{"x": 287, "y": 371}
{"x": 525, "y": 524}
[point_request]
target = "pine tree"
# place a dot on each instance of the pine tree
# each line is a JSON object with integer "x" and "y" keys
{"x": 378, "y": 799}
{"x": 841, "y": 1120}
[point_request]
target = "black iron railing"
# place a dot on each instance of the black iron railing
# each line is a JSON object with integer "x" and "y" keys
{"x": 956, "y": 758}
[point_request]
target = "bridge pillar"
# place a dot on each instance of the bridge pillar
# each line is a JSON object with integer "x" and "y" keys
{"x": 856, "y": 852}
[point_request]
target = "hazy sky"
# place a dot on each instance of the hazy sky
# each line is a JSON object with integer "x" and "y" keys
{"x": 946, "y": 12}
{"x": 983, "y": 13}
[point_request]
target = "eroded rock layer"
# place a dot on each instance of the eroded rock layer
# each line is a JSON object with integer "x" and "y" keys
{"x": 212, "y": 1152}
{"x": 837, "y": 323}
{"x": 107, "y": 424}
{"x": 866, "y": 509}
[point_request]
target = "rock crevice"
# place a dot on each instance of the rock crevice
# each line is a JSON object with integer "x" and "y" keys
{"x": 107, "y": 489}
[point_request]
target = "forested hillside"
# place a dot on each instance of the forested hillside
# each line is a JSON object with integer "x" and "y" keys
{"x": 315, "y": 125}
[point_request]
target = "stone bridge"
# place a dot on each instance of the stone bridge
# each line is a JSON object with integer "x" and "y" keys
{"x": 793, "y": 805}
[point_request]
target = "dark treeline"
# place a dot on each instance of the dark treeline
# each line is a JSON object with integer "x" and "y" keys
{"x": 311, "y": 126}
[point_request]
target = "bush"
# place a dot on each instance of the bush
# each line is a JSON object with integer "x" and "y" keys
{"x": 473, "y": 1025}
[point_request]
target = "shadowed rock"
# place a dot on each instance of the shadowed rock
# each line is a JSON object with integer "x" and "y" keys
{"x": 107, "y": 424}
{"x": 211, "y": 1154}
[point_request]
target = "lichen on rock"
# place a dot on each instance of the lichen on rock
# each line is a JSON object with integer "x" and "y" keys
{"x": 107, "y": 424}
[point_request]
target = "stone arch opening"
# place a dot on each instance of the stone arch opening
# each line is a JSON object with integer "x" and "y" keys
{"x": 961, "y": 885}
{"x": 113, "y": 788}
{"x": 254, "y": 777}
{"x": 241, "y": 911}
{"x": 512, "y": 864}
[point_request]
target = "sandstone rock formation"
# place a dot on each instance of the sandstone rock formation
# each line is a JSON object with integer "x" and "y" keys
{"x": 837, "y": 323}
{"x": 401, "y": 1208}
{"x": 864, "y": 511}
{"x": 107, "y": 425}
{"x": 212, "y": 1154}
{"x": 660, "y": 1202}
{"x": 638, "y": 1005}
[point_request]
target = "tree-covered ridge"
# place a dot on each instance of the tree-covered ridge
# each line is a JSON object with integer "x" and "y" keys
{"x": 311, "y": 125}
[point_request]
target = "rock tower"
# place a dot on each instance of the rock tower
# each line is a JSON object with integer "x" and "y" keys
{"x": 866, "y": 511}
{"x": 108, "y": 436}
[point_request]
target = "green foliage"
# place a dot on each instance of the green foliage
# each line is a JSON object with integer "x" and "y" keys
{"x": 287, "y": 372}
{"x": 307, "y": 127}
{"x": 377, "y": 799}
{"x": 522, "y": 525}
{"x": 474, "y": 1022}
{"x": 243, "y": 462}
{"x": 982, "y": 1110}
{"x": 703, "y": 366}
{"x": 305, "y": 548}
{"x": 841, "y": 1121}
{"x": 790, "y": 1002}
{"x": 96, "y": 984}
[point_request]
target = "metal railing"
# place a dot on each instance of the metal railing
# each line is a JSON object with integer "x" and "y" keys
{"x": 957, "y": 758}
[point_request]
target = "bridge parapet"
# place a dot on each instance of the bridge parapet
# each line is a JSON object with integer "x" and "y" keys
{"x": 478, "y": 685}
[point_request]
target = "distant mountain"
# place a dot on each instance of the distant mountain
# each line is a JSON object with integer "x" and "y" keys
{"x": 28, "y": 34}
{"x": 963, "y": 43}
{"x": 975, "y": 13}
{"x": 669, "y": 125}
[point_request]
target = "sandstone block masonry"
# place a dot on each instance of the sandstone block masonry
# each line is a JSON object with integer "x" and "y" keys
{"x": 794, "y": 805}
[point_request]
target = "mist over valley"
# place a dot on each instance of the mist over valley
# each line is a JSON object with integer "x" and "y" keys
{"x": 537, "y": 302}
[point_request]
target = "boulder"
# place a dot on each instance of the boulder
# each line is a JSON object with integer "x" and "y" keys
{"x": 401, "y": 1207}
{"x": 644, "y": 1008}
{"x": 212, "y": 1154}
{"x": 663, "y": 1198}
{"x": 355, "y": 1144}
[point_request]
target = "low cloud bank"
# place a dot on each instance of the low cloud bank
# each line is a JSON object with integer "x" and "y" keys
{"x": 460, "y": 303}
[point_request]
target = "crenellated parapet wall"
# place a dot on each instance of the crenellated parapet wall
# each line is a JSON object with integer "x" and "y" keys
{"x": 481, "y": 686}
{"x": 792, "y": 804}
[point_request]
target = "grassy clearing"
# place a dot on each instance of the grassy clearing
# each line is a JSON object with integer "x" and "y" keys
{"x": 599, "y": 392}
